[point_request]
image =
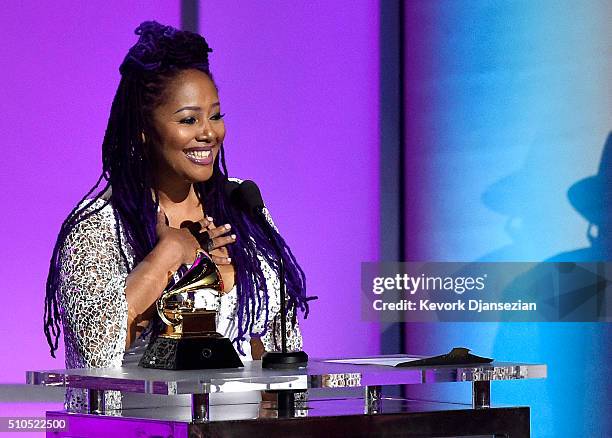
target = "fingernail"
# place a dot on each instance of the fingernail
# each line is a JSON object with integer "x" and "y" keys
{"x": 210, "y": 219}
{"x": 229, "y": 259}
{"x": 228, "y": 226}
{"x": 234, "y": 236}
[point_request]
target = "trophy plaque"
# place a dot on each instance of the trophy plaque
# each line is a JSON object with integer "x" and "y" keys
{"x": 190, "y": 340}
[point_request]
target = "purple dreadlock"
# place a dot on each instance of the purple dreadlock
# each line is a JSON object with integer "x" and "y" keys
{"x": 160, "y": 54}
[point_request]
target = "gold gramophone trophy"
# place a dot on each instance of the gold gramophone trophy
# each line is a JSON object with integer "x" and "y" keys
{"x": 190, "y": 340}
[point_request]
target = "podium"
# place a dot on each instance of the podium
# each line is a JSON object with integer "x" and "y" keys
{"x": 296, "y": 412}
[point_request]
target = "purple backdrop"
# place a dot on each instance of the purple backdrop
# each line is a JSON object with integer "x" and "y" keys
{"x": 60, "y": 78}
{"x": 300, "y": 86}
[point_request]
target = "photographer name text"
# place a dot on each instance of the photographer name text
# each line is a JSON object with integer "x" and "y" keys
{"x": 455, "y": 306}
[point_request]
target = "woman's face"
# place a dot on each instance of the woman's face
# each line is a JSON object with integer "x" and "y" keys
{"x": 190, "y": 129}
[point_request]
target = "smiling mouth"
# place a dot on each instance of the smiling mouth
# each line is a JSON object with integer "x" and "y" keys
{"x": 198, "y": 154}
{"x": 202, "y": 156}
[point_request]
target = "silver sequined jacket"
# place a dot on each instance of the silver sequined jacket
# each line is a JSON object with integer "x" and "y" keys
{"x": 94, "y": 309}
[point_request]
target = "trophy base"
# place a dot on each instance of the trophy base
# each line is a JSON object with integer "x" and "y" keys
{"x": 190, "y": 353}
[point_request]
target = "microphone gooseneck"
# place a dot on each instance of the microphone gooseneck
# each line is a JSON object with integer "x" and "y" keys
{"x": 247, "y": 197}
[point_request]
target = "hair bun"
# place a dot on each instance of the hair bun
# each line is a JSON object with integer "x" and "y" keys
{"x": 153, "y": 27}
{"x": 160, "y": 48}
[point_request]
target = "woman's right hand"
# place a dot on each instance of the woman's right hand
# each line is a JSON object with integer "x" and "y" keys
{"x": 147, "y": 281}
{"x": 179, "y": 240}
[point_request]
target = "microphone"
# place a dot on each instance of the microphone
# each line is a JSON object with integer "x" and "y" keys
{"x": 229, "y": 188}
{"x": 247, "y": 197}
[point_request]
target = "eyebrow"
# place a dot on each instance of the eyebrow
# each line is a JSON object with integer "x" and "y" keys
{"x": 194, "y": 108}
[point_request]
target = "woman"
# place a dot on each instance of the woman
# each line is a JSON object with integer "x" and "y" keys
{"x": 163, "y": 167}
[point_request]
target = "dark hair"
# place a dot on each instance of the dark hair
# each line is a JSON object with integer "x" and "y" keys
{"x": 159, "y": 55}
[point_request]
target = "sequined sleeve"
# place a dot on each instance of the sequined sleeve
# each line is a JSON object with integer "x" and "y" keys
{"x": 91, "y": 294}
{"x": 272, "y": 339}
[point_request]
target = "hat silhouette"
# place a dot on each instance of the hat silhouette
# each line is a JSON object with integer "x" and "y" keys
{"x": 590, "y": 196}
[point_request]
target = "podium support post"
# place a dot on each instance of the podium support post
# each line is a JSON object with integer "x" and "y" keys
{"x": 481, "y": 394}
{"x": 372, "y": 399}
{"x": 97, "y": 402}
{"x": 200, "y": 408}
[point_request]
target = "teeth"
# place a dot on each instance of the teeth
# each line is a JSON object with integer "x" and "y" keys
{"x": 198, "y": 154}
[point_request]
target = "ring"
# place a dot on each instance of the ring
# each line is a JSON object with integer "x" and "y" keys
{"x": 209, "y": 244}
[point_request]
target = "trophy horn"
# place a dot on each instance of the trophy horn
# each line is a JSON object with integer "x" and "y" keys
{"x": 203, "y": 274}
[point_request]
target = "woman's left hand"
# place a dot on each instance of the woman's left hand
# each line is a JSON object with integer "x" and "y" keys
{"x": 220, "y": 238}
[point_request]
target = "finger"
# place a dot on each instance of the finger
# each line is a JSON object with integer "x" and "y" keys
{"x": 221, "y": 260}
{"x": 219, "y": 231}
{"x": 205, "y": 223}
{"x": 220, "y": 242}
{"x": 220, "y": 252}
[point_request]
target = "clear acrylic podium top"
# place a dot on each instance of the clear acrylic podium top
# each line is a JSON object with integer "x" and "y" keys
{"x": 318, "y": 374}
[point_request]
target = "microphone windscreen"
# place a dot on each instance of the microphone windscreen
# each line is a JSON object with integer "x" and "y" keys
{"x": 248, "y": 197}
{"x": 230, "y": 187}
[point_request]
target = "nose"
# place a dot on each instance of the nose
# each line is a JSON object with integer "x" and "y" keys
{"x": 207, "y": 135}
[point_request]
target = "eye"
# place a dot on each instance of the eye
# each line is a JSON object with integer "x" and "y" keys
{"x": 217, "y": 116}
{"x": 188, "y": 121}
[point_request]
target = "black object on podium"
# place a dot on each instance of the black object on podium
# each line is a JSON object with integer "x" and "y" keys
{"x": 457, "y": 356}
{"x": 247, "y": 196}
